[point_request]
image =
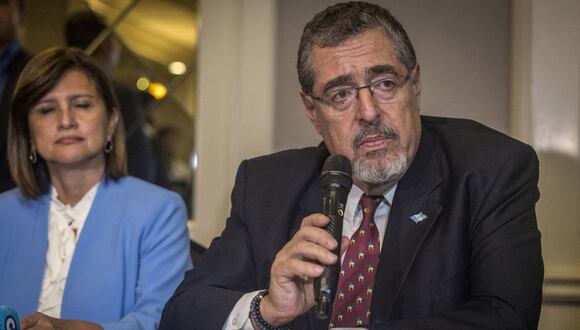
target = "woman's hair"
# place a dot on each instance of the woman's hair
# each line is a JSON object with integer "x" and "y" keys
{"x": 38, "y": 78}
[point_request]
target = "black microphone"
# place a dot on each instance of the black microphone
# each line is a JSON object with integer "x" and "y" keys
{"x": 8, "y": 318}
{"x": 335, "y": 183}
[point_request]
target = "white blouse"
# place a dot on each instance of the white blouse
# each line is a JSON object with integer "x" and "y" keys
{"x": 65, "y": 224}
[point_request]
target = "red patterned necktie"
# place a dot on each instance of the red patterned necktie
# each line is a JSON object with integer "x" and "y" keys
{"x": 352, "y": 304}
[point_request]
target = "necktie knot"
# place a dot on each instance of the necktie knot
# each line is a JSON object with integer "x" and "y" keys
{"x": 369, "y": 205}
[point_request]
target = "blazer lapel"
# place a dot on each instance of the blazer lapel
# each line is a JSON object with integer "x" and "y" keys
{"x": 38, "y": 243}
{"x": 91, "y": 258}
{"x": 417, "y": 195}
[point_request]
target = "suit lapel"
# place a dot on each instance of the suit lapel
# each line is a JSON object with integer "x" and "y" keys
{"x": 417, "y": 194}
{"x": 311, "y": 201}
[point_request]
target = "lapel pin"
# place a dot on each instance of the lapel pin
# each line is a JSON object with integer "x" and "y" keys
{"x": 418, "y": 217}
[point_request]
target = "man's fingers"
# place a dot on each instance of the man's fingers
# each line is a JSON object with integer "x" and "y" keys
{"x": 316, "y": 220}
{"x": 29, "y": 321}
{"x": 315, "y": 235}
{"x": 296, "y": 268}
{"x": 302, "y": 256}
{"x": 305, "y": 250}
{"x": 344, "y": 242}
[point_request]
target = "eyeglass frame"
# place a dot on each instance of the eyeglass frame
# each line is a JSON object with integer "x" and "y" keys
{"x": 358, "y": 88}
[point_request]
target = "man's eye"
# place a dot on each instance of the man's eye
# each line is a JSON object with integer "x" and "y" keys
{"x": 341, "y": 95}
{"x": 384, "y": 85}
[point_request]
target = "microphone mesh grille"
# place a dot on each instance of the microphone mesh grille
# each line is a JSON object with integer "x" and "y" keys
{"x": 337, "y": 163}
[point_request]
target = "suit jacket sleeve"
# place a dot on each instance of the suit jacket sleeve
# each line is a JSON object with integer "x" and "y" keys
{"x": 225, "y": 272}
{"x": 164, "y": 258}
{"x": 506, "y": 269}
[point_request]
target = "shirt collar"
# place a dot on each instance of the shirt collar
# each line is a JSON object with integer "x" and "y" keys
{"x": 354, "y": 197}
{"x": 83, "y": 204}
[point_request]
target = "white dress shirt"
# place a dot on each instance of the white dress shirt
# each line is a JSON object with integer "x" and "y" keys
{"x": 239, "y": 318}
{"x": 65, "y": 224}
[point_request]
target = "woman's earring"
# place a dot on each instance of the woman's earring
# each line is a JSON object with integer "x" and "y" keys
{"x": 32, "y": 157}
{"x": 108, "y": 147}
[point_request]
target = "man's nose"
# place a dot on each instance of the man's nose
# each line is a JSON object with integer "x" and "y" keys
{"x": 367, "y": 107}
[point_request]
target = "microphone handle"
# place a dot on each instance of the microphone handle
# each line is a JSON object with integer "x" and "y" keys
{"x": 333, "y": 203}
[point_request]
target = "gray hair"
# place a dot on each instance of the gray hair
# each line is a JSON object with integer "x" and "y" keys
{"x": 342, "y": 21}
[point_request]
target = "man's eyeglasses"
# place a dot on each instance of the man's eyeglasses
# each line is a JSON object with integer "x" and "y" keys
{"x": 382, "y": 90}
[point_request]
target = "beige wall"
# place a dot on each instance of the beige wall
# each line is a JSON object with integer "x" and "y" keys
{"x": 235, "y": 103}
{"x": 546, "y": 114}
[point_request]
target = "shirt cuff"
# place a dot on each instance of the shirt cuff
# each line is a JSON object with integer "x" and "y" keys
{"x": 239, "y": 318}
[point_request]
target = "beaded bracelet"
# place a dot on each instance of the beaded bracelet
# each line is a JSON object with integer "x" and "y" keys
{"x": 256, "y": 316}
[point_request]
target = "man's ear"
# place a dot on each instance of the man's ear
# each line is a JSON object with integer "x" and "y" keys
{"x": 416, "y": 81}
{"x": 310, "y": 109}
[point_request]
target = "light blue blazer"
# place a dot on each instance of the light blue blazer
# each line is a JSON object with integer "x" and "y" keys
{"x": 131, "y": 255}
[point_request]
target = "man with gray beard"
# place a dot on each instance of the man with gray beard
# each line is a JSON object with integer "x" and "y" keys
{"x": 445, "y": 233}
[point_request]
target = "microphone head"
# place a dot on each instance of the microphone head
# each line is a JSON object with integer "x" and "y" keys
{"x": 8, "y": 318}
{"x": 336, "y": 171}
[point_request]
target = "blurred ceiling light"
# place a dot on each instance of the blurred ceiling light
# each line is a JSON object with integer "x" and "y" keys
{"x": 177, "y": 68}
{"x": 142, "y": 84}
{"x": 193, "y": 161}
{"x": 157, "y": 90}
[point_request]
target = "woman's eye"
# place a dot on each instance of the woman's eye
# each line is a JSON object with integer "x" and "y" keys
{"x": 44, "y": 110}
{"x": 82, "y": 105}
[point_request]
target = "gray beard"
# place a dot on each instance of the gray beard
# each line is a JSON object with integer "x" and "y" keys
{"x": 378, "y": 167}
{"x": 384, "y": 170}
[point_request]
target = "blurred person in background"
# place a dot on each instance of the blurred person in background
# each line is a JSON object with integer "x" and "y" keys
{"x": 82, "y": 245}
{"x": 178, "y": 172}
{"x": 12, "y": 60}
{"x": 81, "y": 29}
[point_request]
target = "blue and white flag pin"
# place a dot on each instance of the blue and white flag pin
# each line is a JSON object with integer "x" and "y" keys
{"x": 418, "y": 217}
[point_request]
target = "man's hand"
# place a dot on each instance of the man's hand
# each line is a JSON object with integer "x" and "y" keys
{"x": 41, "y": 321}
{"x": 294, "y": 270}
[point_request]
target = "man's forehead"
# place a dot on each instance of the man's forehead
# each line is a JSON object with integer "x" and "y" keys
{"x": 361, "y": 56}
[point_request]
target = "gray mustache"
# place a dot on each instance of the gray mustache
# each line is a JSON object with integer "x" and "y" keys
{"x": 376, "y": 129}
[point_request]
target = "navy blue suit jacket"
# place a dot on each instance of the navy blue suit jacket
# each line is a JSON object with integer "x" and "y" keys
{"x": 475, "y": 262}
